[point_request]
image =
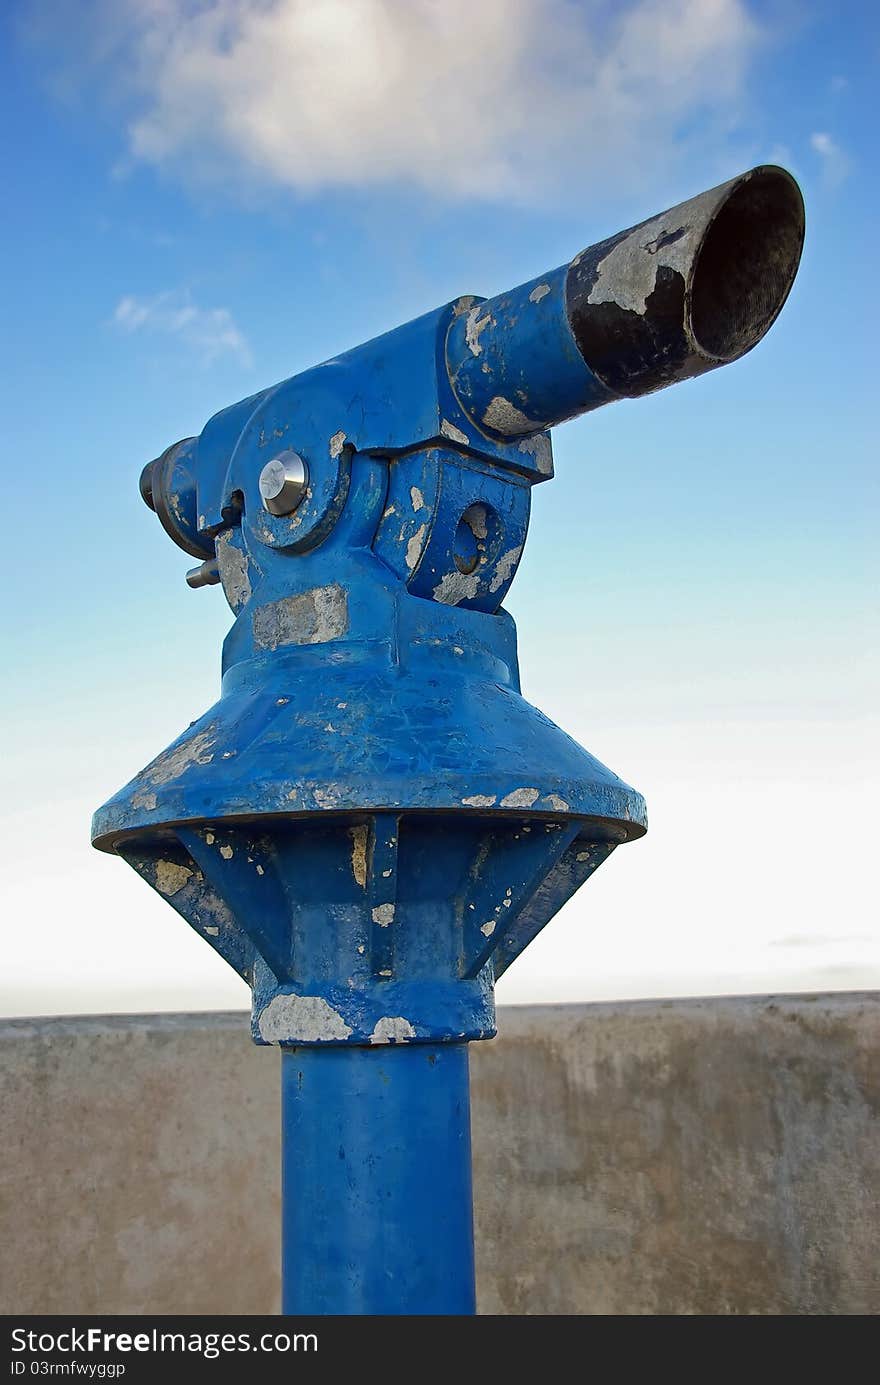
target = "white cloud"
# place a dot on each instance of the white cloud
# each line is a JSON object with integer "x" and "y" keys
{"x": 209, "y": 332}
{"x": 823, "y": 144}
{"x": 836, "y": 163}
{"x": 466, "y": 98}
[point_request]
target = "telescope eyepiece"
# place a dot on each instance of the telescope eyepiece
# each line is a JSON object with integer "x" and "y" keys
{"x": 146, "y": 486}
{"x": 168, "y": 487}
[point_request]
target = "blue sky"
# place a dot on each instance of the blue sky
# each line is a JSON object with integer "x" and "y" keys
{"x": 204, "y": 198}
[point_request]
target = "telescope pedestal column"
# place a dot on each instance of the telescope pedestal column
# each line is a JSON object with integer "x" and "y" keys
{"x": 376, "y": 1182}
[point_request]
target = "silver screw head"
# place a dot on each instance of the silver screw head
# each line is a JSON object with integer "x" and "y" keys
{"x": 283, "y": 483}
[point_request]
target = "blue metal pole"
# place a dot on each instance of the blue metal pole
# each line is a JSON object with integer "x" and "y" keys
{"x": 376, "y": 1180}
{"x": 377, "y": 1204}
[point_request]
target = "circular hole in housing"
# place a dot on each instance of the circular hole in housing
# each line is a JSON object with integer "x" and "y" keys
{"x": 746, "y": 264}
{"x": 475, "y": 537}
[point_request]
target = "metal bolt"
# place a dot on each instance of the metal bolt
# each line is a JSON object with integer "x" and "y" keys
{"x": 207, "y": 574}
{"x": 283, "y": 483}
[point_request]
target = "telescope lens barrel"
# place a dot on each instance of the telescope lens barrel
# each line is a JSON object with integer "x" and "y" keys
{"x": 682, "y": 293}
{"x": 168, "y": 487}
{"x": 689, "y": 290}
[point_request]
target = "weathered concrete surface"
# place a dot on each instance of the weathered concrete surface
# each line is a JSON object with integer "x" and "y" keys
{"x": 139, "y": 1166}
{"x": 695, "y": 1156}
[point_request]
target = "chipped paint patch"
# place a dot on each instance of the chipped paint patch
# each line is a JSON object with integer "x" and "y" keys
{"x": 538, "y": 293}
{"x": 172, "y": 763}
{"x": 554, "y": 801}
{"x": 307, "y": 1018}
{"x": 584, "y": 856}
{"x": 227, "y": 853}
{"x": 234, "y": 571}
{"x": 457, "y": 586}
{"x": 212, "y": 931}
{"x": 336, "y": 444}
{"x": 488, "y": 929}
{"x": 417, "y": 500}
{"x": 260, "y": 870}
{"x": 414, "y": 547}
{"x": 359, "y": 836}
{"x": 392, "y": 1029}
{"x": 449, "y": 430}
{"x": 506, "y": 418}
{"x": 314, "y": 617}
{"x": 463, "y": 304}
{"x": 383, "y": 914}
{"x": 479, "y": 800}
{"x": 220, "y": 911}
{"x": 473, "y": 327}
{"x": 144, "y": 798}
{"x": 541, "y": 449}
{"x": 520, "y": 798}
{"x": 325, "y": 798}
{"x": 170, "y": 877}
{"x": 505, "y": 567}
{"x": 627, "y": 276}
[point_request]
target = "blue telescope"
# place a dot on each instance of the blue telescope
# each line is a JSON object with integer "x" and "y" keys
{"x": 371, "y": 823}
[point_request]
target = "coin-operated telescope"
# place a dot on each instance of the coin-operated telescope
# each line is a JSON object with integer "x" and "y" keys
{"x": 371, "y": 823}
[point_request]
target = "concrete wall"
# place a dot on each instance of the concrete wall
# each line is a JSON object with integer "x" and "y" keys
{"x": 696, "y": 1156}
